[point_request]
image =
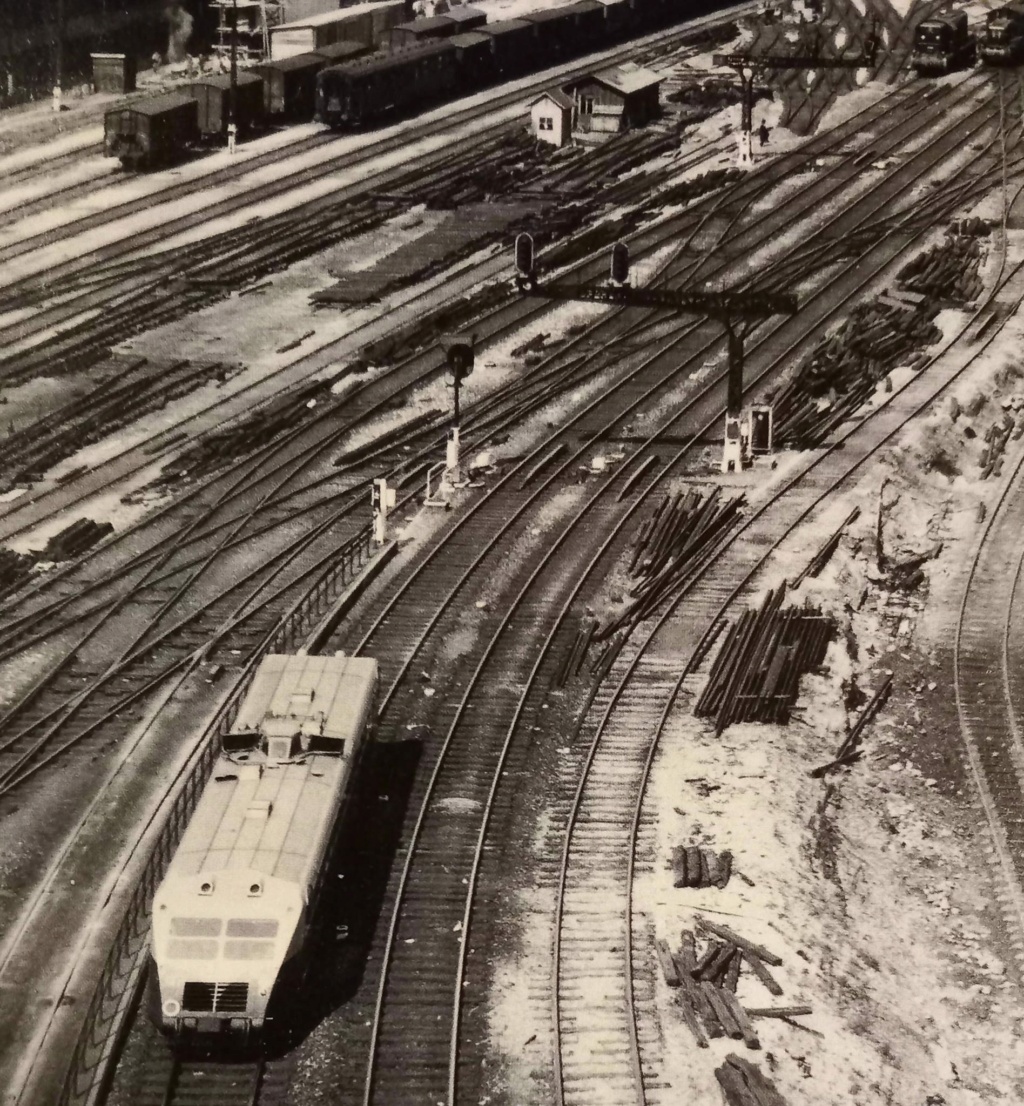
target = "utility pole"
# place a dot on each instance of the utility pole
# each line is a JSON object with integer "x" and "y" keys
{"x": 233, "y": 90}
{"x": 747, "y": 67}
{"x": 58, "y": 53}
{"x": 728, "y": 308}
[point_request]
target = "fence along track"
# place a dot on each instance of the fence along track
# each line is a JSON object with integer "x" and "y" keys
{"x": 622, "y": 750}
{"x": 117, "y": 994}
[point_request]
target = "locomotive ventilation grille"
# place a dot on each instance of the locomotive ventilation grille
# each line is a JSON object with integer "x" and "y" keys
{"x": 216, "y": 998}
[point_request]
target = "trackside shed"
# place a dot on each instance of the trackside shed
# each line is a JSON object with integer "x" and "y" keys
{"x": 614, "y": 100}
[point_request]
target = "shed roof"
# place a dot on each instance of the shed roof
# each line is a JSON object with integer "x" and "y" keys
{"x": 341, "y": 15}
{"x": 557, "y": 96}
{"x": 156, "y": 105}
{"x": 465, "y": 12}
{"x": 627, "y": 77}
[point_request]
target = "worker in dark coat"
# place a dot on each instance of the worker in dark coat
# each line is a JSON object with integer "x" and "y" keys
{"x": 762, "y": 133}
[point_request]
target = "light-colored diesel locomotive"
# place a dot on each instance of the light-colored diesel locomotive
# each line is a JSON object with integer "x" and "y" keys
{"x": 234, "y": 908}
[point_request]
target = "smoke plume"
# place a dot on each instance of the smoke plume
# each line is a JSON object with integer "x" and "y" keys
{"x": 179, "y": 22}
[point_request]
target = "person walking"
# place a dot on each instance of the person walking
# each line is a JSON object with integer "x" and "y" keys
{"x": 762, "y": 133}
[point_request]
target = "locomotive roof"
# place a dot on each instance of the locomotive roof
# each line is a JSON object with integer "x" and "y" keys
{"x": 157, "y": 105}
{"x": 338, "y": 690}
{"x": 381, "y": 62}
{"x": 272, "y": 822}
{"x": 584, "y": 6}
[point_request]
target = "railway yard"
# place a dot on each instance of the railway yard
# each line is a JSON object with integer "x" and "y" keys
{"x": 685, "y": 785}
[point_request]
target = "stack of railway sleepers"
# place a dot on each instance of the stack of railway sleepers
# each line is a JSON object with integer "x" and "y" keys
{"x": 693, "y": 866}
{"x": 756, "y": 675}
{"x": 744, "y": 1084}
{"x": 75, "y": 539}
{"x": 669, "y": 545}
{"x": 706, "y": 981}
{"x": 213, "y": 96}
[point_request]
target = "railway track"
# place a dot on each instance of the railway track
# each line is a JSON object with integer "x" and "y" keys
{"x": 987, "y": 658}
{"x": 549, "y": 481}
{"x": 605, "y": 842}
{"x": 49, "y": 236}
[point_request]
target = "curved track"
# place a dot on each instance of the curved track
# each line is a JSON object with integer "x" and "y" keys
{"x": 389, "y": 636}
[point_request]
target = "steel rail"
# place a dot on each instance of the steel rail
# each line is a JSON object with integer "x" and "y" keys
{"x": 692, "y": 582}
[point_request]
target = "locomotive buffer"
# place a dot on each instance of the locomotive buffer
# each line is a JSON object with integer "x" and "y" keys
{"x": 748, "y": 66}
{"x": 738, "y": 312}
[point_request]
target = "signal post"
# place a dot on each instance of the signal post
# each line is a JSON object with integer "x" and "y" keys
{"x": 730, "y": 308}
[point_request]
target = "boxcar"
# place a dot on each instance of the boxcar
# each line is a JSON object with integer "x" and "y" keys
{"x": 618, "y": 19}
{"x": 151, "y": 132}
{"x": 467, "y": 18}
{"x": 474, "y": 55}
{"x": 589, "y": 27}
{"x": 555, "y": 33}
{"x": 418, "y": 31}
{"x": 339, "y": 52}
{"x": 383, "y": 85}
{"x": 513, "y": 45}
{"x": 289, "y": 86}
{"x": 213, "y": 94}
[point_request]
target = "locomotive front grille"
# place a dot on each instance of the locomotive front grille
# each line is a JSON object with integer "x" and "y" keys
{"x": 215, "y": 998}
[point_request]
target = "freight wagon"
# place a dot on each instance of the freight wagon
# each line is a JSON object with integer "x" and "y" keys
{"x": 232, "y": 915}
{"x": 457, "y": 21}
{"x": 213, "y": 99}
{"x": 289, "y": 85}
{"x": 152, "y": 132}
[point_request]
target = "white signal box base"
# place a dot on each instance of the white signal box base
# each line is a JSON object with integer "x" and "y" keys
{"x": 745, "y": 157}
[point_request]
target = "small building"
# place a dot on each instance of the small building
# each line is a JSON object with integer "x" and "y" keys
{"x": 369, "y": 23}
{"x": 614, "y": 100}
{"x": 551, "y": 117}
